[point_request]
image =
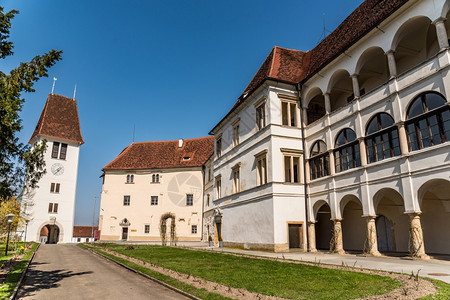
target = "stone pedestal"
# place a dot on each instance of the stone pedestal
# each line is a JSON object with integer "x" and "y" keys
{"x": 372, "y": 244}
{"x": 417, "y": 246}
{"x": 337, "y": 232}
{"x": 312, "y": 236}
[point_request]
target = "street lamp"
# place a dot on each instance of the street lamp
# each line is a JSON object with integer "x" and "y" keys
{"x": 26, "y": 226}
{"x": 10, "y": 219}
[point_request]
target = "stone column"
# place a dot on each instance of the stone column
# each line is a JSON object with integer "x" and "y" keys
{"x": 391, "y": 63}
{"x": 416, "y": 237}
{"x": 312, "y": 236}
{"x": 327, "y": 102}
{"x": 307, "y": 171}
{"x": 441, "y": 33}
{"x": 402, "y": 138}
{"x": 337, "y": 232}
{"x": 372, "y": 243}
{"x": 362, "y": 151}
{"x": 332, "y": 165}
{"x": 355, "y": 83}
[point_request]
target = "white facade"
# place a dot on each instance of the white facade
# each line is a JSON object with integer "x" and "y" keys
{"x": 131, "y": 207}
{"x": 37, "y": 205}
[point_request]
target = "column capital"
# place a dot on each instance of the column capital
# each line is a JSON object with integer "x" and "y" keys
{"x": 439, "y": 20}
{"x": 336, "y": 219}
{"x": 390, "y": 52}
{"x": 400, "y": 123}
{"x": 354, "y": 75}
{"x": 312, "y": 222}
{"x": 413, "y": 213}
{"x": 370, "y": 217}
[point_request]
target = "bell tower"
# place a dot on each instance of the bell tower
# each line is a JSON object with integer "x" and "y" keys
{"x": 50, "y": 207}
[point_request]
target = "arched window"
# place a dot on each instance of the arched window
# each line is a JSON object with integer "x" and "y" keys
{"x": 128, "y": 178}
{"x": 346, "y": 153}
{"x": 381, "y": 138}
{"x": 428, "y": 121}
{"x": 319, "y": 160}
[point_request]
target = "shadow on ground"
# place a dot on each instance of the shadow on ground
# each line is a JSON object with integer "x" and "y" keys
{"x": 37, "y": 280}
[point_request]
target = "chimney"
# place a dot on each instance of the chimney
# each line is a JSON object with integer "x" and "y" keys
{"x": 180, "y": 143}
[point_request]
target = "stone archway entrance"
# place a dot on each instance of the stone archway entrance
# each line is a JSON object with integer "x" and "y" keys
{"x": 53, "y": 234}
{"x": 324, "y": 227}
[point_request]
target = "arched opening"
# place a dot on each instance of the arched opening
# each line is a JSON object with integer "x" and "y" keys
{"x": 346, "y": 152}
{"x": 353, "y": 225}
{"x": 415, "y": 42}
{"x": 434, "y": 197}
{"x": 163, "y": 229}
{"x": 49, "y": 234}
{"x": 316, "y": 106}
{"x": 341, "y": 89}
{"x": 319, "y": 160}
{"x": 392, "y": 222}
{"x": 428, "y": 121}
{"x": 382, "y": 139}
{"x": 323, "y": 227}
{"x": 373, "y": 70}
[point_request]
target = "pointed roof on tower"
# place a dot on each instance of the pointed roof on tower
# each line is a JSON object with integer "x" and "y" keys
{"x": 59, "y": 119}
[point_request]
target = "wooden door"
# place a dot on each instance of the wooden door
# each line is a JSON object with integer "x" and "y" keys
{"x": 384, "y": 234}
{"x": 124, "y": 233}
{"x": 295, "y": 236}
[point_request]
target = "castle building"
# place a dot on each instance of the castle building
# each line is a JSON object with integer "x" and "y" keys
{"x": 344, "y": 147}
{"x": 155, "y": 187}
{"x": 50, "y": 207}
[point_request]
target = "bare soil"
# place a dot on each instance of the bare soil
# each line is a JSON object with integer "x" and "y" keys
{"x": 413, "y": 287}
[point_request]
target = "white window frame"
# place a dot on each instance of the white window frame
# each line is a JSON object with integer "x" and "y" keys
{"x": 219, "y": 186}
{"x": 236, "y": 171}
{"x": 261, "y": 168}
{"x": 291, "y": 154}
{"x": 219, "y": 146}
{"x": 260, "y": 108}
{"x": 55, "y": 187}
{"x": 194, "y": 229}
{"x": 154, "y": 200}
{"x": 126, "y": 201}
{"x": 155, "y": 178}
{"x": 53, "y": 208}
{"x": 145, "y": 228}
{"x": 191, "y": 201}
{"x": 288, "y": 113}
{"x": 236, "y": 132}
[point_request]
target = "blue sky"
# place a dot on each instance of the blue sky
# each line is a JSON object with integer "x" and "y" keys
{"x": 171, "y": 69}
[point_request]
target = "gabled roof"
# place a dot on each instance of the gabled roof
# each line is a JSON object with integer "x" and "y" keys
{"x": 83, "y": 231}
{"x": 166, "y": 154}
{"x": 59, "y": 119}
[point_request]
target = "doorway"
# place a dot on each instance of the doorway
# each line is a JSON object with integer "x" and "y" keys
{"x": 295, "y": 236}
{"x": 384, "y": 234}
{"x": 125, "y": 233}
{"x": 53, "y": 234}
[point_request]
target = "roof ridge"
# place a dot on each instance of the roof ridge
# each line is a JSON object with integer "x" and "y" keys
{"x": 272, "y": 62}
{"x": 120, "y": 155}
{"x": 172, "y": 141}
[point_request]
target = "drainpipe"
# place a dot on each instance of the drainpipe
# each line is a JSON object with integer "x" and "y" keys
{"x": 299, "y": 88}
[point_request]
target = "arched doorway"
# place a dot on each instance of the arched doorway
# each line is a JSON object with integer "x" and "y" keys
{"x": 323, "y": 227}
{"x": 384, "y": 234}
{"x": 434, "y": 197}
{"x": 52, "y": 234}
{"x": 353, "y": 225}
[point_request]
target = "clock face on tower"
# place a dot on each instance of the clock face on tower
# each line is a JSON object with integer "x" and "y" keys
{"x": 57, "y": 169}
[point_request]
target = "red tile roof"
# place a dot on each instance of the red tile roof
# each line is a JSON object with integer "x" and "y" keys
{"x": 59, "y": 119}
{"x": 293, "y": 66}
{"x": 83, "y": 231}
{"x": 167, "y": 154}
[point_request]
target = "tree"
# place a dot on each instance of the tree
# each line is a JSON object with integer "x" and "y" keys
{"x": 21, "y": 166}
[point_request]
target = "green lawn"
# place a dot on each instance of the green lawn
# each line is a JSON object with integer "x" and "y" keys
{"x": 13, "y": 277}
{"x": 268, "y": 277}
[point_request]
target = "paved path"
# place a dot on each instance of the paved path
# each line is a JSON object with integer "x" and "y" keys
{"x": 69, "y": 272}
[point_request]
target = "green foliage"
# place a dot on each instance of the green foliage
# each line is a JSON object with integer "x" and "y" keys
{"x": 19, "y": 164}
{"x": 267, "y": 277}
{"x": 8, "y": 206}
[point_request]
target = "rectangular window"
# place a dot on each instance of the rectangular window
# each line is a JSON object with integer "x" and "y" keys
{"x": 194, "y": 229}
{"x": 189, "y": 200}
{"x": 78, "y": 240}
{"x": 55, "y": 149}
{"x": 218, "y": 187}
{"x": 219, "y": 147}
{"x": 208, "y": 200}
{"x": 261, "y": 116}
{"x": 289, "y": 113}
{"x": 291, "y": 169}
{"x": 126, "y": 200}
{"x": 146, "y": 228}
{"x": 236, "y": 134}
{"x": 63, "y": 152}
{"x": 53, "y": 208}
{"x": 261, "y": 169}
{"x": 236, "y": 179}
{"x": 154, "y": 200}
{"x": 54, "y": 187}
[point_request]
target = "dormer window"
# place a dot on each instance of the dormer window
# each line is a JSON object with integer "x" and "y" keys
{"x": 185, "y": 158}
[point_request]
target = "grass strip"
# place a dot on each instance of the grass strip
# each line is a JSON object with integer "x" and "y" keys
{"x": 443, "y": 291}
{"x": 200, "y": 293}
{"x": 12, "y": 278}
{"x": 267, "y": 277}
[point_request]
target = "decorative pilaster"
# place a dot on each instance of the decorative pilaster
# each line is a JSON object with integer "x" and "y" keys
{"x": 441, "y": 33}
{"x": 372, "y": 243}
{"x": 332, "y": 162}
{"x": 416, "y": 242}
{"x": 355, "y": 84}
{"x": 312, "y": 236}
{"x": 327, "y": 102}
{"x": 391, "y": 63}
{"x": 338, "y": 244}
